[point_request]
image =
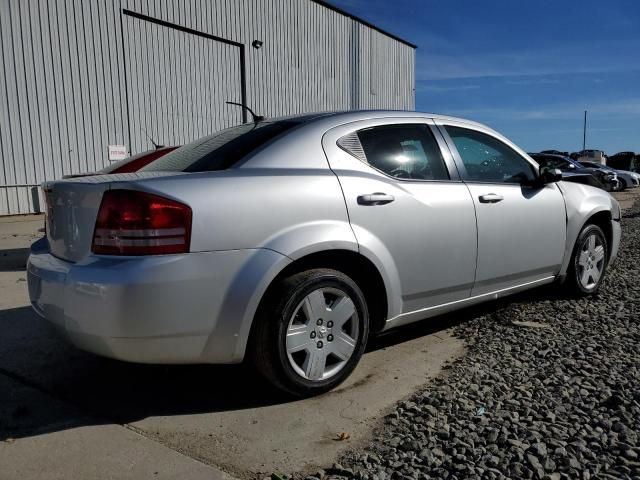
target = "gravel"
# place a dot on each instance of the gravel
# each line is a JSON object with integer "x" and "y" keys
{"x": 549, "y": 389}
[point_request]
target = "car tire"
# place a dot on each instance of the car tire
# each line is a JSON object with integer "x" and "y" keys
{"x": 588, "y": 261}
{"x": 310, "y": 332}
{"x": 622, "y": 184}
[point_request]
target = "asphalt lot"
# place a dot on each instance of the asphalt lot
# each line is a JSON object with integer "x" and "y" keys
{"x": 67, "y": 414}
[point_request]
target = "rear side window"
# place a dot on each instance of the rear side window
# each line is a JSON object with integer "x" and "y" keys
{"x": 487, "y": 159}
{"x": 404, "y": 151}
{"x": 222, "y": 149}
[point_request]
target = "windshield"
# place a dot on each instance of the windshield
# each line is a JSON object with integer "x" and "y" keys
{"x": 551, "y": 162}
{"x": 222, "y": 149}
{"x": 596, "y": 165}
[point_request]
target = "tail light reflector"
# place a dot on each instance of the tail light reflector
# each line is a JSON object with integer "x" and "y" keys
{"x": 139, "y": 223}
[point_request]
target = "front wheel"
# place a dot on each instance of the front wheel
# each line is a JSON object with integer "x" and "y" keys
{"x": 310, "y": 332}
{"x": 589, "y": 261}
{"x": 622, "y": 184}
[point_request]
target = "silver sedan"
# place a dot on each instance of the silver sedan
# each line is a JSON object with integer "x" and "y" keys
{"x": 289, "y": 242}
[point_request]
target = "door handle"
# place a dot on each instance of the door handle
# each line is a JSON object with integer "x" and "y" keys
{"x": 491, "y": 198}
{"x": 377, "y": 198}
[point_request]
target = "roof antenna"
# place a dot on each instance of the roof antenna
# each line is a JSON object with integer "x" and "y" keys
{"x": 256, "y": 118}
{"x": 155, "y": 145}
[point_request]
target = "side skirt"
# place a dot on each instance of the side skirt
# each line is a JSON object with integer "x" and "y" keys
{"x": 424, "y": 313}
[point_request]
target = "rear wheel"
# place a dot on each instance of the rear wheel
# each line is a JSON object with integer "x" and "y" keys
{"x": 311, "y": 332}
{"x": 589, "y": 261}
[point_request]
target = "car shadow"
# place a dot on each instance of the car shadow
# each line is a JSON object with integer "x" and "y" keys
{"x": 47, "y": 385}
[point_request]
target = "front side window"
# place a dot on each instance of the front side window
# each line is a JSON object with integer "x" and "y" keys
{"x": 487, "y": 159}
{"x": 404, "y": 151}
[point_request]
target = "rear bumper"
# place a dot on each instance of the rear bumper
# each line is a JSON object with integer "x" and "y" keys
{"x": 189, "y": 308}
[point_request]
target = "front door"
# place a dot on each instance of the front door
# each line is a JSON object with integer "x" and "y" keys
{"x": 521, "y": 229}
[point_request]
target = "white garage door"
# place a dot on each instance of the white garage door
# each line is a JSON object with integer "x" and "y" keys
{"x": 178, "y": 81}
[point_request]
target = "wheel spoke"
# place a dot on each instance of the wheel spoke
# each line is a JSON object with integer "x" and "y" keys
{"x": 342, "y": 311}
{"x": 584, "y": 278}
{"x": 599, "y": 253}
{"x": 592, "y": 243}
{"x": 583, "y": 259}
{"x": 595, "y": 274}
{"x": 314, "y": 364}
{"x": 315, "y": 306}
{"x": 298, "y": 338}
{"x": 343, "y": 346}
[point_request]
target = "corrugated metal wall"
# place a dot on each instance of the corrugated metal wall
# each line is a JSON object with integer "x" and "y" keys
{"x": 77, "y": 76}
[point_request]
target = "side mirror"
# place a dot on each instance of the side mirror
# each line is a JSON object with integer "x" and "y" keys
{"x": 572, "y": 166}
{"x": 549, "y": 175}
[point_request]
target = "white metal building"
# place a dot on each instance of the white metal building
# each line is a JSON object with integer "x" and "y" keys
{"x": 78, "y": 76}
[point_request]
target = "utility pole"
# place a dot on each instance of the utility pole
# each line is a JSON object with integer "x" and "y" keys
{"x": 584, "y": 132}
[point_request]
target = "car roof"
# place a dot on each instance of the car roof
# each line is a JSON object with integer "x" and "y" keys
{"x": 340, "y": 117}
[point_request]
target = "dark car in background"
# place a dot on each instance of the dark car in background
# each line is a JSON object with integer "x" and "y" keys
{"x": 626, "y": 178}
{"x": 622, "y": 161}
{"x": 574, "y": 172}
{"x": 129, "y": 164}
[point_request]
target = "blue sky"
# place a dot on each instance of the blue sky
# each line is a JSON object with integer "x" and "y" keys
{"x": 527, "y": 68}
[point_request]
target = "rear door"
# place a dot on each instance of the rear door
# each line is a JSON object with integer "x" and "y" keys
{"x": 521, "y": 229}
{"x": 407, "y": 207}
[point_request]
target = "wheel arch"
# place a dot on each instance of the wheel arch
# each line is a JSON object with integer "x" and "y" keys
{"x": 603, "y": 220}
{"x": 598, "y": 216}
{"x": 353, "y": 264}
{"x": 326, "y": 244}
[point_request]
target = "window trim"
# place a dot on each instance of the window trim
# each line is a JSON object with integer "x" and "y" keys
{"x": 441, "y": 125}
{"x": 449, "y": 163}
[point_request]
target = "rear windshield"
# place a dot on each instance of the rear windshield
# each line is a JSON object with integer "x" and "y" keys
{"x": 222, "y": 149}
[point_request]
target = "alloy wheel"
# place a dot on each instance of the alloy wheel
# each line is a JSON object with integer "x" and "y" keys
{"x": 591, "y": 261}
{"x": 322, "y": 334}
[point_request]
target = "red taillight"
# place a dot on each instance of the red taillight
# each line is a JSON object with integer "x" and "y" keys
{"x": 139, "y": 223}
